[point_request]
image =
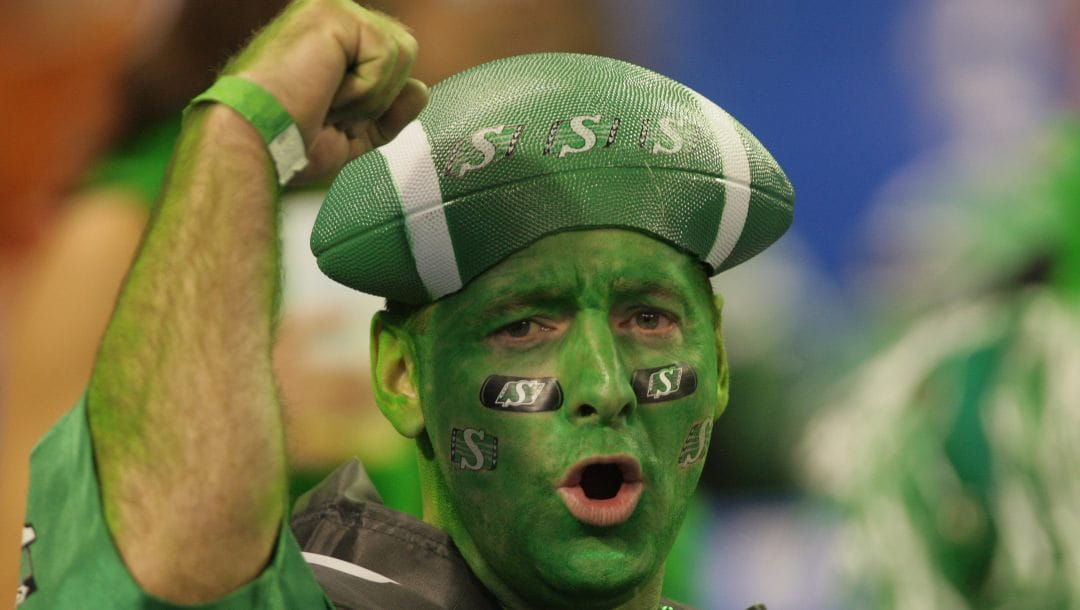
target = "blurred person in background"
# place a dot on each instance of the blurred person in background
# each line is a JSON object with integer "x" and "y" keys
{"x": 951, "y": 450}
{"x": 48, "y": 141}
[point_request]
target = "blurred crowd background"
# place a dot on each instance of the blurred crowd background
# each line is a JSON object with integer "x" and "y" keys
{"x": 906, "y": 361}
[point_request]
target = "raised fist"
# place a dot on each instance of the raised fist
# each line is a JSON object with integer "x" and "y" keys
{"x": 342, "y": 73}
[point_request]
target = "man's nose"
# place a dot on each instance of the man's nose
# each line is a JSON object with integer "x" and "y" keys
{"x": 593, "y": 373}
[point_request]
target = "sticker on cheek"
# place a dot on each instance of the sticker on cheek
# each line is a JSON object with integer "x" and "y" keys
{"x": 696, "y": 445}
{"x": 521, "y": 394}
{"x": 472, "y": 449}
{"x": 664, "y": 383}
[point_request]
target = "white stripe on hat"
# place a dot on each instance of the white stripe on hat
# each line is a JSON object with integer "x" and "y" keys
{"x": 737, "y": 181}
{"x": 412, "y": 170}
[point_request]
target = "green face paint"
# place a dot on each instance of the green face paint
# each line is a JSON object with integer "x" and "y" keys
{"x": 586, "y": 499}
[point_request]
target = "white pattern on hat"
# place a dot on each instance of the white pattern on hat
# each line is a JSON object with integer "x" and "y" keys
{"x": 737, "y": 181}
{"x": 412, "y": 169}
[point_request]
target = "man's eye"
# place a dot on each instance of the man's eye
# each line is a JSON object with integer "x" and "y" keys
{"x": 527, "y": 332}
{"x": 518, "y": 329}
{"x": 649, "y": 320}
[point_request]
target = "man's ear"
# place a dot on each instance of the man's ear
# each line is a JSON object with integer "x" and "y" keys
{"x": 393, "y": 377}
{"x": 722, "y": 377}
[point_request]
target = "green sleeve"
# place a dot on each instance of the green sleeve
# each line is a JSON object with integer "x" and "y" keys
{"x": 68, "y": 556}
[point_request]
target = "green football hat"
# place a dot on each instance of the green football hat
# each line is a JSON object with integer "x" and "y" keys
{"x": 519, "y": 148}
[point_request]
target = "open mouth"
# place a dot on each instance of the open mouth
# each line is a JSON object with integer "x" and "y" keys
{"x": 602, "y": 491}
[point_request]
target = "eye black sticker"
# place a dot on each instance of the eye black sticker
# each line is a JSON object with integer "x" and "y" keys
{"x": 521, "y": 394}
{"x": 664, "y": 383}
{"x": 472, "y": 449}
{"x": 696, "y": 445}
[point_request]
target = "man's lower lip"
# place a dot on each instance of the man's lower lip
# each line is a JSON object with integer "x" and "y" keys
{"x": 602, "y": 513}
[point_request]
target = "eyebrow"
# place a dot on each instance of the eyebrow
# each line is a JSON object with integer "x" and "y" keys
{"x": 508, "y": 303}
{"x": 552, "y": 297}
{"x": 623, "y": 287}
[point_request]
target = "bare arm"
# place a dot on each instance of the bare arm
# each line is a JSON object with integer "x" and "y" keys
{"x": 182, "y": 403}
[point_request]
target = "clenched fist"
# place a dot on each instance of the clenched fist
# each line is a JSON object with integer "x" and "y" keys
{"x": 342, "y": 72}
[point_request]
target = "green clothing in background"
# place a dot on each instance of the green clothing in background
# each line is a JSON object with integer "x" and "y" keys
{"x": 952, "y": 451}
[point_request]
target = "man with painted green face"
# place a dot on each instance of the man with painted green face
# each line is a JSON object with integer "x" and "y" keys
{"x": 543, "y": 231}
{"x": 559, "y": 479}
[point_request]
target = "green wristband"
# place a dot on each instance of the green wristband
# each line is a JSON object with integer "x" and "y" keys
{"x": 267, "y": 116}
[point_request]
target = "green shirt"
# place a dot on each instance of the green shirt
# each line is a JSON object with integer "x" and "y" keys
{"x": 69, "y": 559}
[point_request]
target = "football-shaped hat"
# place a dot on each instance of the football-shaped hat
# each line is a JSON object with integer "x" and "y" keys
{"x": 519, "y": 148}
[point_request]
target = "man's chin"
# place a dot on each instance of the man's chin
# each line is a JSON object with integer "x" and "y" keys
{"x": 592, "y": 570}
{"x": 562, "y": 563}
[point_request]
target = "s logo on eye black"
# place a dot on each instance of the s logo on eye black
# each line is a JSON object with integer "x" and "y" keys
{"x": 521, "y": 394}
{"x": 664, "y": 383}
